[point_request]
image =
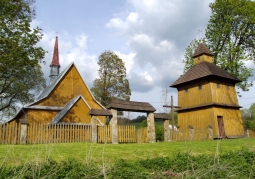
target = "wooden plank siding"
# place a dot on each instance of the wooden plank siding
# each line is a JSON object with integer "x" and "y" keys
{"x": 232, "y": 121}
{"x": 142, "y": 135}
{"x": 190, "y": 95}
{"x": 199, "y": 119}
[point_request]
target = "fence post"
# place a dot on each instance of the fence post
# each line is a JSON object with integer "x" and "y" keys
{"x": 191, "y": 132}
{"x": 151, "y": 128}
{"x": 94, "y": 129}
{"x": 114, "y": 126}
{"x": 166, "y": 131}
{"x": 23, "y": 131}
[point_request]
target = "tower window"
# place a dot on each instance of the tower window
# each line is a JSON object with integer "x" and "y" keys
{"x": 218, "y": 85}
{"x": 227, "y": 86}
{"x": 186, "y": 90}
{"x": 198, "y": 58}
{"x": 199, "y": 86}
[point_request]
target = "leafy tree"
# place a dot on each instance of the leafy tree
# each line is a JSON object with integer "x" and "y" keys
{"x": 230, "y": 36}
{"x": 20, "y": 73}
{"x": 112, "y": 82}
{"x": 248, "y": 116}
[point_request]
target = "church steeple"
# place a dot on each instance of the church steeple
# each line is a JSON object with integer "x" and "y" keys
{"x": 202, "y": 54}
{"x": 54, "y": 66}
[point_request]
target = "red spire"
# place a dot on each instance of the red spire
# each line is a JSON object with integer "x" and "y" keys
{"x": 55, "y": 59}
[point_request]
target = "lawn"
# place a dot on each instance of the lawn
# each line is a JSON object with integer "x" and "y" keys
{"x": 109, "y": 153}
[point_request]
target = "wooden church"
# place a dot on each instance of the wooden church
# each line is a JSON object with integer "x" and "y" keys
{"x": 67, "y": 99}
{"x": 207, "y": 98}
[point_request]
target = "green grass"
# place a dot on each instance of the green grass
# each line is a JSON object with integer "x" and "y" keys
{"x": 109, "y": 153}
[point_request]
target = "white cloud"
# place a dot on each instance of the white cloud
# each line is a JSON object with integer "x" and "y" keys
{"x": 158, "y": 33}
{"x": 128, "y": 60}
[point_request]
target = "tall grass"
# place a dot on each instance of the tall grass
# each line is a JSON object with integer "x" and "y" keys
{"x": 192, "y": 159}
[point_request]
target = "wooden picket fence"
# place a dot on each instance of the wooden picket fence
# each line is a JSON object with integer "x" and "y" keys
{"x": 126, "y": 134}
{"x": 58, "y": 133}
{"x": 9, "y": 134}
{"x": 67, "y": 133}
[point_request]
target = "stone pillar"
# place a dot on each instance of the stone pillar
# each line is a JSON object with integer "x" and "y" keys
{"x": 23, "y": 131}
{"x": 151, "y": 128}
{"x": 114, "y": 126}
{"x": 166, "y": 131}
{"x": 94, "y": 129}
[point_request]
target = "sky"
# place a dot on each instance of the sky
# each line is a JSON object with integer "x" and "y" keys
{"x": 150, "y": 36}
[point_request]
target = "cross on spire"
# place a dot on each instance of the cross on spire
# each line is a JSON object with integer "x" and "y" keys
{"x": 200, "y": 33}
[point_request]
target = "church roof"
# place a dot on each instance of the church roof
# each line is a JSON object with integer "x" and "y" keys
{"x": 201, "y": 70}
{"x": 201, "y": 50}
{"x": 51, "y": 87}
{"x": 55, "y": 57}
{"x": 66, "y": 108}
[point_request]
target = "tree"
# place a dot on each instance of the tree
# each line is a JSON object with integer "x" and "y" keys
{"x": 112, "y": 82}
{"x": 20, "y": 73}
{"x": 248, "y": 116}
{"x": 230, "y": 36}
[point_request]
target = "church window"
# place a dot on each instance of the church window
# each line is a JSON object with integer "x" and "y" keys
{"x": 198, "y": 58}
{"x": 218, "y": 85}
{"x": 186, "y": 90}
{"x": 227, "y": 86}
{"x": 199, "y": 86}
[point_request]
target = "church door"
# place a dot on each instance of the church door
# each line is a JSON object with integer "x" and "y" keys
{"x": 221, "y": 127}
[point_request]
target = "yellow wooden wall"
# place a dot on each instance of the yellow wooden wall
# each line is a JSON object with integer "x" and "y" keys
{"x": 40, "y": 116}
{"x": 222, "y": 94}
{"x": 194, "y": 96}
{"x": 203, "y": 58}
{"x": 200, "y": 119}
{"x": 68, "y": 88}
{"x": 232, "y": 121}
{"x": 208, "y": 94}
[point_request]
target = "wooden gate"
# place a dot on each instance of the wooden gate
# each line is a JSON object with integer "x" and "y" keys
{"x": 126, "y": 134}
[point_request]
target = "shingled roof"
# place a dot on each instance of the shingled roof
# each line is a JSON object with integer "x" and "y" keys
{"x": 202, "y": 49}
{"x": 164, "y": 116}
{"x": 55, "y": 57}
{"x": 201, "y": 70}
{"x": 100, "y": 112}
{"x": 130, "y": 106}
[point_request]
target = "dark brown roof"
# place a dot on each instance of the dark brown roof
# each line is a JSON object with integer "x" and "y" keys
{"x": 202, "y": 49}
{"x": 201, "y": 70}
{"x": 210, "y": 105}
{"x": 161, "y": 116}
{"x": 130, "y": 106}
{"x": 100, "y": 112}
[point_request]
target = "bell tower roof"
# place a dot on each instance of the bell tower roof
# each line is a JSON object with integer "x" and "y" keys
{"x": 202, "y": 50}
{"x": 55, "y": 57}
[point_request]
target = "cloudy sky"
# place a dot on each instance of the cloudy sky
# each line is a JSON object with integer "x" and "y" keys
{"x": 149, "y": 35}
